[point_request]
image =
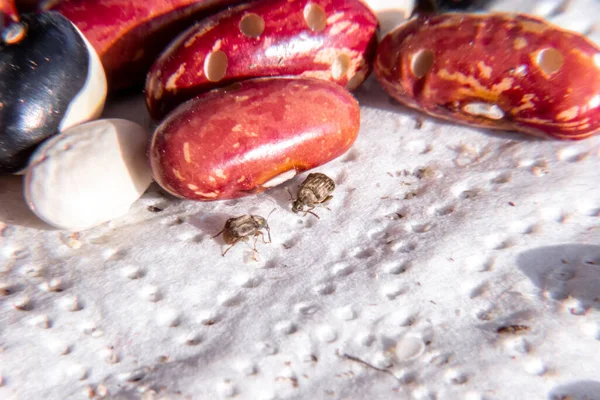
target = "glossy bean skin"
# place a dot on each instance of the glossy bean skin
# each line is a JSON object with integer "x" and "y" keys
{"x": 244, "y": 139}
{"x": 129, "y": 35}
{"x": 50, "y": 80}
{"x": 8, "y": 12}
{"x": 501, "y": 71}
{"x": 327, "y": 39}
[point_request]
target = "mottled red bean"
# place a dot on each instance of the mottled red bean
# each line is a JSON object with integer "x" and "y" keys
{"x": 503, "y": 71}
{"x": 327, "y": 39}
{"x": 8, "y": 12}
{"x": 251, "y": 136}
{"x": 129, "y": 35}
{"x": 12, "y": 31}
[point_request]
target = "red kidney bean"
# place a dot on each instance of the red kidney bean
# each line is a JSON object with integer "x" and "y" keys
{"x": 253, "y": 135}
{"x": 501, "y": 71}
{"x": 328, "y": 39}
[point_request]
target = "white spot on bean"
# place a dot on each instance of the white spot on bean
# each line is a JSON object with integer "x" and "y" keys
{"x": 186, "y": 152}
{"x": 252, "y": 25}
{"x": 172, "y": 81}
{"x": 519, "y": 43}
{"x": 209, "y": 194}
{"x": 340, "y": 66}
{"x": 279, "y": 179}
{"x": 335, "y": 17}
{"x": 215, "y": 66}
{"x": 505, "y": 84}
{"x": 568, "y": 114}
{"x": 156, "y": 88}
{"x": 526, "y": 103}
{"x": 191, "y": 186}
{"x": 486, "y": 110}
{"x": 597, "y": 60}
{"x": 484, "y": 70}
{"x": 549, "y": 60}
{"x": 220, "y": 174}
{"x": 315, "y": 17}
{"x": 422, "y": 62}
{"x": 594, "y": 102}
{"x": 217, "y": 45}
{"x": 177, "y": 174}
{"x": 521, "y": 70}
{"x": 339, "y": 27}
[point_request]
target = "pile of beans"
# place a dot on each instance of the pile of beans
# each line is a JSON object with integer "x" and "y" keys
{"x": 248, "y": 94}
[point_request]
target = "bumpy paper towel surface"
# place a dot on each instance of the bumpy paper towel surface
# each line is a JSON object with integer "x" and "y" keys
{"x": 455, "y": 263}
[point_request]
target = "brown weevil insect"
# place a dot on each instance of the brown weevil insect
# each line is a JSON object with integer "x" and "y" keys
{"x": 316, "y": 189}
{"x": 242, "y": 228}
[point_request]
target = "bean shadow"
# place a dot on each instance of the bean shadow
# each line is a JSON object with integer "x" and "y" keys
{"x": 281, "y": 196}
{"x": 13, "y": 208}
{"x": 160, "y": 197}
{"x": 371, "y": 94}
{"x": 579, "y": 390}
{"x": 130, "y": 106}
{"x": 565, "y": 270}
{"x": 209, "y": 224}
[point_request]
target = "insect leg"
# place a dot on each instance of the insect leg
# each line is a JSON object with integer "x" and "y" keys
{"x": 310, "y": 211}
{"x": 256, "y": 240}
{"x": 325, "y": 201}
{"x": 262, "y": 235}
{"x": 233, "y": 244}
{"x": 290, "y": 193}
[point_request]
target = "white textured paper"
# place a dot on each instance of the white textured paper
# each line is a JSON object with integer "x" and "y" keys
{"x": 455, "y": 263}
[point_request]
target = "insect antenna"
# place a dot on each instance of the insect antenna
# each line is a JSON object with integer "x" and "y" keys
{"x": 267, "y": 228}
{"x": 222, "y": 230}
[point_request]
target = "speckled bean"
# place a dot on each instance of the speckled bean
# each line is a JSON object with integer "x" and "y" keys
{"x": 249, "y": 137}
{"x": 501, "y": 71}
{"x": 129, "y": 34}
{"x": 327, "y": 39}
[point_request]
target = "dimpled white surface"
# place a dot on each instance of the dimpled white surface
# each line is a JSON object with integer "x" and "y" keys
{"x": 455, "y": 263}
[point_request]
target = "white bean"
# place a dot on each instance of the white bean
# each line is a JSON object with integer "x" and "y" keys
{"x": 88, "y": 174}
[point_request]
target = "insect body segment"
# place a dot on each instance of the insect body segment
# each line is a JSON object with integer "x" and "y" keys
{"x": 243, "y": 227}
{"x": 316, "y": 189}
